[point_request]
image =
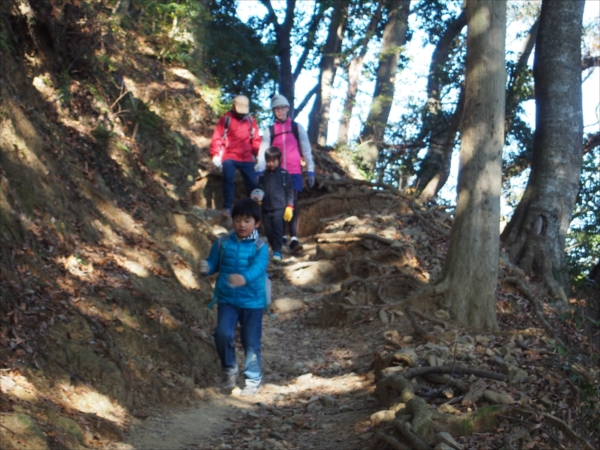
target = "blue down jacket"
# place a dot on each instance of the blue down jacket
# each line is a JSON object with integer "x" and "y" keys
{"x": 243, "y": 258}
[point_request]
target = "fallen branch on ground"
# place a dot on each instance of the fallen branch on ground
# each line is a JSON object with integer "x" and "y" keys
{"x": 451, "y": 368}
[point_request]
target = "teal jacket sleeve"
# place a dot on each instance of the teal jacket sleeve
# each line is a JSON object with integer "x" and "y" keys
{"x": 213, "y": 259}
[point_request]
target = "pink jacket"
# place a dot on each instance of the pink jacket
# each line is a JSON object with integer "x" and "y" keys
{"x": 284, "y": 139}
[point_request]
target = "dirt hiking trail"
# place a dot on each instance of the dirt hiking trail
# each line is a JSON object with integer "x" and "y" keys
{"x": 316, "y": 390}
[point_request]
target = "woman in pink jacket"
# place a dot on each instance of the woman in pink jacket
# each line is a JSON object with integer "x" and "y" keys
{"x": 234, "y": 146}
{"x": 291, "y": 138}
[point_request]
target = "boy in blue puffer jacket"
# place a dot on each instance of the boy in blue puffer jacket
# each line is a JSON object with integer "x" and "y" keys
{"x": 240, "y": 294}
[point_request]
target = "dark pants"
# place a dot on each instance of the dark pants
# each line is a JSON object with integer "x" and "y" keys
{"x": 294, "y": 222}
{"x": 228, "y": 169}
{"x": 274, "y": 228}
{"x": 250, "y": 320}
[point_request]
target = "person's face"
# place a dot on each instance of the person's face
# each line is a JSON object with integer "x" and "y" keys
{"x": 244, "y": 226}
{"x": 272, "y": 163}
{"x": 281, "y": 112}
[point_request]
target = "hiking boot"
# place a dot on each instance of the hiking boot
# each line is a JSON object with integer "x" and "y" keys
{"x": 250, "y": 390}
{"x": 276, "y": 257}
{"x": 226, "y": 212}
{"x": 295, "y": 246}
{"x": 228, "y": 381}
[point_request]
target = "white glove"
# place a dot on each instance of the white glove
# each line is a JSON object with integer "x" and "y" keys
{"x": 217, "y": 161}
{"x": 203, "y": 267}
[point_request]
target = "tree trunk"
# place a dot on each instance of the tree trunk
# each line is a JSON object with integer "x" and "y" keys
{"x": 471, "y": 268}
{"x": 330, "y": 61}
{"x": 434, "y": 168}
{"x": 394, "y": 38}
{"x": 445, "y": 148}
{"x": 518, "y": 78}
{"x": 354, "y": 71}
{"x": 535, "y": 235}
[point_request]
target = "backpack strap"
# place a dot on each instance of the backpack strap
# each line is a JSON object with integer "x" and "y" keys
{"x": 294, "y": 132}
{"x": 250, "y": 120}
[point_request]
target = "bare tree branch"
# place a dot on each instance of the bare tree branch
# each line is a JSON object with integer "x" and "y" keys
{"x": 306, "y": 99}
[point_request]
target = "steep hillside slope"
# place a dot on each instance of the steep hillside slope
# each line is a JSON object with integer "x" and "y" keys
{"x": 101, "y": 313}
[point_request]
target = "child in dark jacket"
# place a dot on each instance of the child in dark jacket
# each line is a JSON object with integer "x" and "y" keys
{"x": 278, "y": 200}
{"x": 240, "y": 294}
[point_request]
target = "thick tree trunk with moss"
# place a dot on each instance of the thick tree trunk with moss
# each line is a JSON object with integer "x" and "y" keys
{"x": 535, "y": 236}
{"x": 330, "y": 61}
{"x": 394, "y": 38}
{"x": 471, "y": 268}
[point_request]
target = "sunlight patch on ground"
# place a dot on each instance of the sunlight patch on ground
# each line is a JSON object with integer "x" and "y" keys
{"x": 186, "y": 245}
{"x": 186, "y": 277}
{"x": 82, "y": 398}
{"x": 14, "y": 384}
{"x": 89, "y": 401}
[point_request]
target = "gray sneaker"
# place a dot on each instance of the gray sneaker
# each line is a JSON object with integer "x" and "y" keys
{"x": 250, "y": 390}
{"x": 228, "y": 381}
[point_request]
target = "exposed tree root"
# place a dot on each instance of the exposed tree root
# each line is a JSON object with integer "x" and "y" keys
{"x": 456, "y": 369}
{"x": 562, "y": 426}
{"x": 392, "y": 441}
{"x": 350, "y": 237}
{"x": 415, "y": 441}
{"x": 446, "y": 380}
{"x": 310, "y": 201}
{"x": 426, "y": 317}
{"x": 419, "y": 330}
{"x": 385, "y": 186}
{"x": 431, "y": 225}
{"x": 422, "y": 296}
{"x": 537, "y": 308}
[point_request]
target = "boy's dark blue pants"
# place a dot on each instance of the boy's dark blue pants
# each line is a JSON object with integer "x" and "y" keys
{"x": 274, "y": 228}
{"x": 228, "y": 170}
{"x": 250, "y": 320}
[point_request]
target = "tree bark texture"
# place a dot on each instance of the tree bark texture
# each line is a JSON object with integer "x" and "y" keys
{"x": 354, "y": 71}
{"x": 442, "y": 147}
{"x": 394, "y": 38}
{"x": 471, "y": 267}
{"x": 535, "y": 236}
{"x": 330, "y": 61}
{"x": 283, "y": 33}
{"x": 434, "y": 168}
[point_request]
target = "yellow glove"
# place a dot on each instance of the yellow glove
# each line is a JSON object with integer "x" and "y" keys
{"x": 288, "y": 213}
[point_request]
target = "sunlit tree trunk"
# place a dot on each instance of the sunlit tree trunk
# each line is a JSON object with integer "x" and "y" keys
{"x": 471, "y": 267}
{"x": 354, "y": 71}
{"x": 535, "y": 236}
{"x": 330, "y": 61}
{"x": 394, "y": 38}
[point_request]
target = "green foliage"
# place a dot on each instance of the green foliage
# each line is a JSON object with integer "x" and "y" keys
{"x": 434, "y": 15}
{"x": 235, "y": 53}
{"x": 174, "y": 27}
{"x": 583, "y": 240}
{"x": 5, "y": 44}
